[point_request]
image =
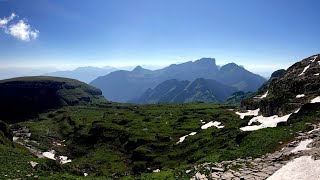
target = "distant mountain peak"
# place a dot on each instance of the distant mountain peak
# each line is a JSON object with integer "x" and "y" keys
{"x": 206, "y": 61}
{"x": 114, "y": 86}
{"x": 232, "y": 64}
{"x": 139, "y": 69}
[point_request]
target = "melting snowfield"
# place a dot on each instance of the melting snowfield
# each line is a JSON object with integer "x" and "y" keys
{"x": 205, "y": 126}
{"x": 249, "y": 113}
{"x": 314, "y": 58}
{"x": 264, "y": 95}
{"x": 300, "y": 95}
{"x": 181, "y": 139}
{"x": 304, "y": 70}
{"x": 211, "y": 123}
{"x": 302, "y": 146}
{"x": 300, "y": 168}
{"x": 51, "y": 155}
{"x": 315, "y": 100}
{"x": 266, "y": 122}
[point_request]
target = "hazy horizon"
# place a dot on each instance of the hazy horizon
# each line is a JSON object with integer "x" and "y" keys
{"x": 11, "y": 72}
{"x": 45, "y": 36}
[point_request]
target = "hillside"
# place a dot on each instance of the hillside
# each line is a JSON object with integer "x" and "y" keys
{"x": 115, "y": 86}
{"x": 285, "y": 94}
{"x": 26, "y": 97}
{"x": 104, "y": 140}
{"x": 174, "y": 91}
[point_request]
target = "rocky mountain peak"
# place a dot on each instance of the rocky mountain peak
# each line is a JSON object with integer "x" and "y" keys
{"x": 298, "y": 85}
{"x": 139, "y": 69}
{"x": 277, "y": 73}
{"x": 230, "y": 67}
{"x": 206, "y": 61}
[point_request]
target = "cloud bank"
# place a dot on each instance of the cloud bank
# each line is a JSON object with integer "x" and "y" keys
{"x": 20, "y": 29}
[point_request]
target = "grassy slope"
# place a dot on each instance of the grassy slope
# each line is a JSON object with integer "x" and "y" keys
{"x": 109, "y": 140}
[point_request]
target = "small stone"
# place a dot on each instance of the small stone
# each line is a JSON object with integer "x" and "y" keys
{"x": 215, "y": 176}
{"x": 228, "y": 175}
{"x": 200, "y": 176}
{"x": 217, "y": 169}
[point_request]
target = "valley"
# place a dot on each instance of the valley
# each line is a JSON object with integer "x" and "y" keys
{"x": 66, "y": 129}
{"x": 159, "y": 90}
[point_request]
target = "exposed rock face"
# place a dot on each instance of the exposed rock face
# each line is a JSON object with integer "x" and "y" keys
{"x": 25, "y": 97}
{"x": 289, "y": 90}
{"x": 306, "y": 144}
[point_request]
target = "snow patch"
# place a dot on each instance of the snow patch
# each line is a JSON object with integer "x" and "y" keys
{"x": 302, "y": 146}
{"x": 297, "y": 110}
{"x": 300, "y": 95}
{"x": 300, "y": 168}
{"x": 181, "y": 139}
{"x": 304, "y": 70}
{"x": 15, "y": 138}
{"x": 211, "y": 123}
{"x": 49, "y": 154}
{"x": 33, "y": 164}
{"x": 264, "y": 95}
{"x": 314, "y": 58}
{"x": 249, "y": 113}
{"x": 64, "y": 159}
{"x": 266, "y": 122}
{"x": 315, "y": 100}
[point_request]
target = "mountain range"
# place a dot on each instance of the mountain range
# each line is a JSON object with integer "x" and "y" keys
{"x": 60, "y": 128}
{"x": 126, "y": 86}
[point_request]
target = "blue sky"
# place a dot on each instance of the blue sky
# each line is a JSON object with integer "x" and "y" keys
{"x": 261, "y": 35}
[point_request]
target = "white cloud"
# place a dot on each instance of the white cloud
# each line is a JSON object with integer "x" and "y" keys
{"x": 20, "y": 30}
{"x": 4, "y": 21}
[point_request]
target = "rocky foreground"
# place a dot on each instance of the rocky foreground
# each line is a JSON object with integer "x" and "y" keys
{"x": 296, "y": 160}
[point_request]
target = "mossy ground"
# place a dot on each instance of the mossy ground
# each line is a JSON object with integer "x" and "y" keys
{"x": 128, "y": 141}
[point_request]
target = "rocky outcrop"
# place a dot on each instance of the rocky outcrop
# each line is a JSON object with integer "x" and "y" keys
{"x": 306, "y": 144}
{"x": 26, "y": 97}
{"x": 289, "y": 90}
